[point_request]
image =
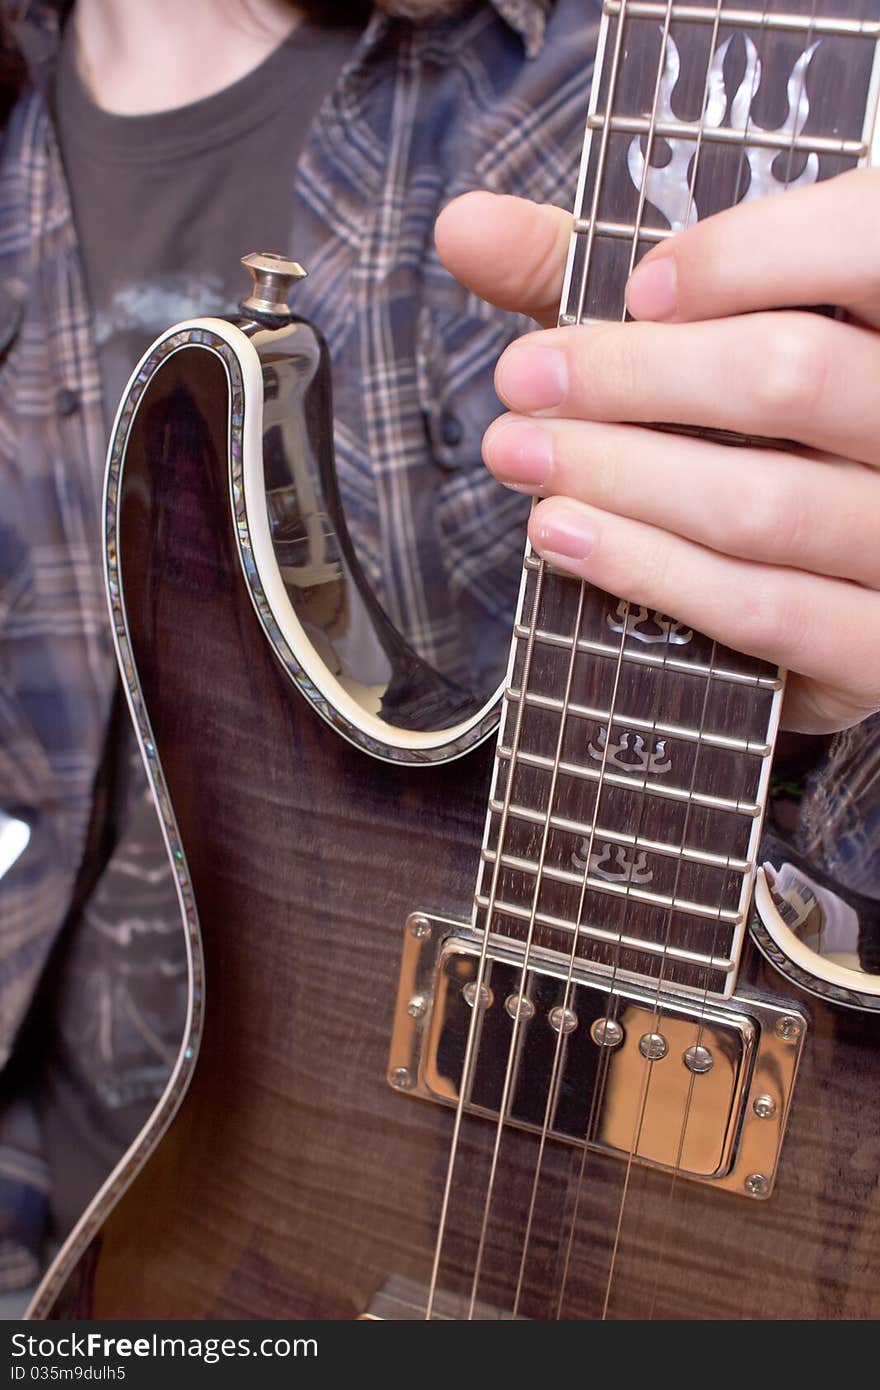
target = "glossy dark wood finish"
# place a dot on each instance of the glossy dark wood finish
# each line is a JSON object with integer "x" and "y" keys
{"x": 294, "y": 1181}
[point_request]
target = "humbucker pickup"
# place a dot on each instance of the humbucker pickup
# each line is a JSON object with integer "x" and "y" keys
{"x": 692, "y": 1085}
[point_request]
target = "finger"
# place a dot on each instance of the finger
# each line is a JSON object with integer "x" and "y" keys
{"x": 815, "y": 245}
{"x": 803, "y": 622}
{"x": 784, "y": 375}
{"x": 757, "y": 504}
{"x": 529, "y": 246}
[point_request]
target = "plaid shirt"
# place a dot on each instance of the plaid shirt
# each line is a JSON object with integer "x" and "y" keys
{"x": 494, "y": 98}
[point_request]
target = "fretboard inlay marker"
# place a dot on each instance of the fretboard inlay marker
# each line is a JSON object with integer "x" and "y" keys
{"x": 630, "y": 752}
{"x": 612, "y": 862}
{"x": 654, "y": 628}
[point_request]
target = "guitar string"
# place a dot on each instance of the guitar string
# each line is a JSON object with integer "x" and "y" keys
{"x": 560, "y": 1044}
{"x": 522, "y": 987}
{"x": 647, "y": 1070}
{"x": 471, "y": 1047}
{"x": 724, "y": 885}
{"x": 606, "y": 1060}
{"x": 675, "y": 1174}
{"x": 691, "y": 185}
{"x": 802, "y": 84}
{"x": 658, "y": 1012}
{"x": 613, "y": 78}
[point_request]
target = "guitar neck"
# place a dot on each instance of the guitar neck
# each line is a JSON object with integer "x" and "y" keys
{"x": 634, "y": 753}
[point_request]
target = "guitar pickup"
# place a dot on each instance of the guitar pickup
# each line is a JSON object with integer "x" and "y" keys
{"x": 696, "y": 1086}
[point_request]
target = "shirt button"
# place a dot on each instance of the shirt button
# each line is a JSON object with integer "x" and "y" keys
{"x": 10, "y": 318}
{"x": 67, "y": 401}
{"x": 451, "y": 430}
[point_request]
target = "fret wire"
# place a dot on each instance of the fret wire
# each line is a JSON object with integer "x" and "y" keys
{"x": 871, "y": 125}
{"x": 589, "y": 774}
{"x": 631, "y": 721}
{"x": 622, "y": 231}
{"x": 616, "y": 888}
{"x": 611, "y": 938}
{"x": 750, "y": 19}
{"x": 689, "y": 668}
{"x": 621, "y": 837}
{"x": 729, "y": 135}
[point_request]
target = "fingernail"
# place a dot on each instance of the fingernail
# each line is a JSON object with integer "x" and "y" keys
{"x": 652, "y": 289}
{"x": 564, "y": 535}
{"x": 519, "y": 454}
{"x": 532, "y": 377}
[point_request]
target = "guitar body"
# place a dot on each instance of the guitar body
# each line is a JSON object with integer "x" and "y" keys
{"x": 295, "y": 1182}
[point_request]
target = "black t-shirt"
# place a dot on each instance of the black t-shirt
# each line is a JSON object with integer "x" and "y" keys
{"x": 165, "y": 205}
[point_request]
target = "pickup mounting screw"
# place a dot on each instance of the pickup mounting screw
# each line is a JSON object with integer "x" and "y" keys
{"x": 788, "y": 1028}
{"x": 519, "y": 1004}
{"x": 764, "y": 1107}
{"x": 698, "y": 1059}
{"x": 469, "y": 993}
{"x": 653, "y": 1046}
{"x": 417, "y": 1006}
{"x": 562, "y": 1020}
{"x": 402, "y": 1078}
{"x": 419, "y": 926}
{"x": 757, "y": 1185}
{"x": 606, "y": 1032}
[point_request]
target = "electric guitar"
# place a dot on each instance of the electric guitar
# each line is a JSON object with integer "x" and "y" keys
{"x": 622, "y": 1077}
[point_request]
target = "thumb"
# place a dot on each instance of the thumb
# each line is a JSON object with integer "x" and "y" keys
{"x": 507, "y": 250}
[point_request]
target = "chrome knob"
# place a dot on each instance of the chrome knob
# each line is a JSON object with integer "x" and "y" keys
{"x": 272, "y": 278}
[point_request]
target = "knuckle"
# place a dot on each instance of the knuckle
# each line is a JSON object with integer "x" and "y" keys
{"x": 601, "y": 467}
{"x": 652, "y": 564}
{"x": 777, "y": 620}
{"x": 765, "y": 625}
{"x": 769, "y": 520}
{"x": 790, "y": 370}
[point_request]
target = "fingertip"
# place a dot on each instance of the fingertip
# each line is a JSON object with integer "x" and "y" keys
{"x": 458, "y": 221}
{"x": 652, "y": 289}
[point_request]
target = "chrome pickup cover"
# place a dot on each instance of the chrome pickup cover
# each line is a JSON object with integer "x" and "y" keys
{"x": 712, "y": 1102}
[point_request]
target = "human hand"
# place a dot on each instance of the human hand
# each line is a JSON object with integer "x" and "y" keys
{"x": 774, "y": 552}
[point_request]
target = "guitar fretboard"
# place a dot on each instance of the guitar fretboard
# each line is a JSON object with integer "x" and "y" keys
{"x": 634, "y": 753}
{"x": 735, "y": 104}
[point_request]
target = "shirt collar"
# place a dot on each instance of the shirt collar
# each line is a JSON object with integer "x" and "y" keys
{"x": 36, "y": 25}
{"x": 528, "y": 18}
